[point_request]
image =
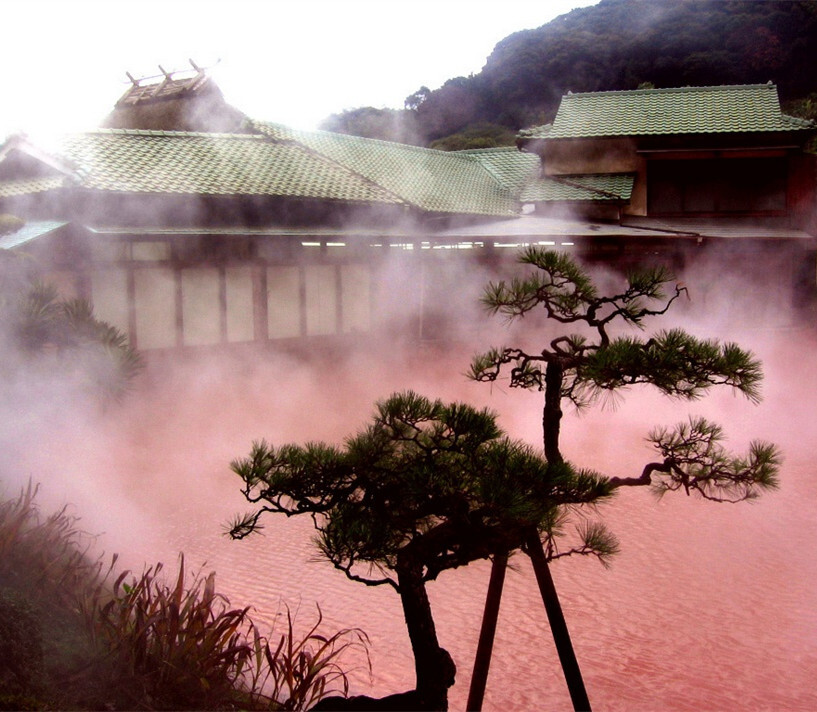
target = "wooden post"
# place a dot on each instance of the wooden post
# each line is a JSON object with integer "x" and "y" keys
{"x": 482, "y": 661}
{"x": 558, "y": 626}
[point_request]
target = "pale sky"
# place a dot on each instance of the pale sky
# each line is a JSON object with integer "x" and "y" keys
{"x": 63, "y": 62}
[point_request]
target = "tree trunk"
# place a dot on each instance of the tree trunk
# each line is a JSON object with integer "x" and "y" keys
{"x": 552, "y": 413}
{"x": 434, "y": 668}
{"x": 558, "y": 625}
{"x": 551, "y": 424}
{"x": 482, "y": 661}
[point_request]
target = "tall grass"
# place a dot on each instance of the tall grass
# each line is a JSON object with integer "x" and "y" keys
{"x": 301, "y": 669}
{"x": 120, "y": 641}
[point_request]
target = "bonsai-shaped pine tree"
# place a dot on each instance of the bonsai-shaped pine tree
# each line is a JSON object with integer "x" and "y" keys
{"x": 426, "y": 487}
{"x": 581, "y": 367}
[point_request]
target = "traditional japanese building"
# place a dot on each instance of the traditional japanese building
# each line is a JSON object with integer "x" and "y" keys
{"x": 233, "y": 231}
{"x": 690, "y": 152}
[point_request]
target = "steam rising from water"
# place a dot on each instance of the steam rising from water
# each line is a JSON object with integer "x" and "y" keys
{"x": 707, "y": 607}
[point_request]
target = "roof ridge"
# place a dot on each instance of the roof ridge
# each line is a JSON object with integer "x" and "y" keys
{"x": 798, "y": 120}
{"x": 485, "y": 150}
{"x": 168, "y": 133}
{"x": 302, "y": 138}
{"x": 353, "y": 137}
{"x": 329, "y": 159}
{"x": 671, "y": 90}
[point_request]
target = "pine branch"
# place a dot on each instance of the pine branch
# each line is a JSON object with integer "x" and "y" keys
{"x": 695, "y": 461}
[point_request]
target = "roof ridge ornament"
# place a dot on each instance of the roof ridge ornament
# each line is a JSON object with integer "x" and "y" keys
{"x": 170, "y": 84}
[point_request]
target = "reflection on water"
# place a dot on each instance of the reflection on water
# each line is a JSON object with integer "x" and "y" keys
{"x": 708, "y": 607}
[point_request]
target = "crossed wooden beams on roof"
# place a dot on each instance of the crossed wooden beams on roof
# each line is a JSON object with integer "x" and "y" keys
{"x": 145, "y": 89}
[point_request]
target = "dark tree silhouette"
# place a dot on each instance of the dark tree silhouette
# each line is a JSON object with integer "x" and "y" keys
{"x": 581, "y": 367}
{"x": 425, "y": 488}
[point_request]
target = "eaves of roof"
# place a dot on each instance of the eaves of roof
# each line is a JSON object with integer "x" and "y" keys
{"x": 28, "y": 232}
{"x": 602, "y": 187}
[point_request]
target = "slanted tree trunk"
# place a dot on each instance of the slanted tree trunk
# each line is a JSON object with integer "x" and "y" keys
{"x": 558, "y": 625}
{"x": 434, "y": 668}
{"x": 485, "y": 647}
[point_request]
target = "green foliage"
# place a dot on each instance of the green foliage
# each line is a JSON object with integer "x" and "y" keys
{"x": 301, "y": 669}
{"x": 474, "y": 136}
{"x": 42, "y": 554}
{"x": 426, "y": 487}
{"x": 564, "y": 289}
{"x": 425, "y": 476}
{"x": 413, "y": 101}
{"x": 21, "y": 650}
{"x": 38, "y": 327}
{"x": 385, "y": 124}
{"x": 9, "y": 223}
{"x": 582, "y": 368}
{"x": 182, "y": 646}
{"x": 696, "y": 462}
{"x": 44, "y": 565}
{"x": 179, "y": 645}
{"x": 804, "y": 108}
{"x": 627, "y": 44}
{"x": 69, "y": 640}
{"x": 673, "y": 361}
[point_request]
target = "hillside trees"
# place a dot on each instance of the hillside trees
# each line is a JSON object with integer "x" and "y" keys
{"x": 620, "y": 44}
{"x": 426, "y": 487}
{"x": 399, "y": 125}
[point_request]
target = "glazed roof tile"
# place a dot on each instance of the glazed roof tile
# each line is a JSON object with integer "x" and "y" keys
{"x": 432, "y": 180}
{"x": 279, "y": 161}
{"x": 687, "y": 110}
{"x": 210, "y": 164}
{"x": 512, "y": 168}
{"x": 28, "y": 186}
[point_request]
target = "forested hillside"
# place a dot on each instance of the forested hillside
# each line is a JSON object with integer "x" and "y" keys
{"x": 616, "y": 44}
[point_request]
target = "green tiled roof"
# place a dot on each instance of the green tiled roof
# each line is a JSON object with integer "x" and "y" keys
{"x": 601, "y": 187}
{"x": 279, "y": 161}
{"x": 210, "y": 164}
{"x": 687, "y": 110}
{"x": 435, "y": 181}
{"x": 14, "y": 188}
{"x": 512, "y": 168}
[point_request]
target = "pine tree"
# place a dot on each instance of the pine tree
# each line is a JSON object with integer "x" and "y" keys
{"x": 425, "y": 488}
{"x": 580, "y": 368}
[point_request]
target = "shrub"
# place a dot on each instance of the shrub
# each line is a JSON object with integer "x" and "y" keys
{"x": 21, "y": 652}
{"x": 75, "y": 634}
